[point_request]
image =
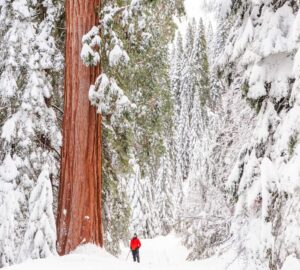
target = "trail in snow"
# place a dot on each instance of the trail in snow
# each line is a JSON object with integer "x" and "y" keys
{"x": 161, "y": 253}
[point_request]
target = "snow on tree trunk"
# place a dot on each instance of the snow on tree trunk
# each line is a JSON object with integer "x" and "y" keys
{"x": 79, "y": 210}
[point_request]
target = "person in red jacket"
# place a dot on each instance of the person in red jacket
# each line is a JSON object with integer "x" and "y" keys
{"x": 135, "y": 245}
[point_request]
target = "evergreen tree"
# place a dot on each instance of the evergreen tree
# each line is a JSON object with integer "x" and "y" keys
{"x": 176, "y": 72}
{"x": 168, "y": 188}
{"x": 200, "y": 66}
{"x": 40, "y": 237}
{"x": 189, "y": 40}
{"x": 176, "y": 68}
{"x": 144, "y": 215}
{"x": 198, "y": 128}
{"x": 9, "y": 211}
{"x": 257, "y": 42}
{"x": 29, "y": 135}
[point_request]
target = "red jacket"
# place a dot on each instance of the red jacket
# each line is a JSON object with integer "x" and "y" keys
{"x": 135, "y": 243}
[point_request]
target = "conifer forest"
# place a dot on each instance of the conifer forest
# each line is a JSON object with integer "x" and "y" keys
{"x": 175, "y": 120}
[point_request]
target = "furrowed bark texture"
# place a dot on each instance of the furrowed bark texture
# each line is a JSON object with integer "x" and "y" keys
{"x": 79, "y": 217}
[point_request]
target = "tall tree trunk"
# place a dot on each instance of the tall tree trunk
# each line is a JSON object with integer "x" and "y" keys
{"x": 79, "y": 217}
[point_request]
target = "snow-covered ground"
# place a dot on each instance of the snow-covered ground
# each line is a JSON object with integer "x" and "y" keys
{"x": 156, "y": 254}
{"x": 161, "y": 253}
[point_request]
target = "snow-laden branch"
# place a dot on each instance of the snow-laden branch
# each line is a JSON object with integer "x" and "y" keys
{"x": 103, "y": 45}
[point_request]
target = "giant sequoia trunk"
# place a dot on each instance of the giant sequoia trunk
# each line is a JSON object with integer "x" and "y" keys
{"x": 79, "y": 215}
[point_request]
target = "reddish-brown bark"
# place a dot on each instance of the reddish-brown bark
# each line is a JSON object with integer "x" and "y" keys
{"x": 79, "y": 209}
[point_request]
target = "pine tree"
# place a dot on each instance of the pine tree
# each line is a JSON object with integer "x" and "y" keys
{"x": 167, "y": 191}
{"x": 189, "y": 40}
{"x": 140, "y": 191}
{"x": 254, "y": 46}
{"x": 176, "y": 68}
{"x": 9, "y": 211}
{"x": 215, "y": 44}
{"x": 197, "y": 129}
{"x": 200, "y": 66}
{"x": 29, "y": 135}
{"x": 40, "y": 237}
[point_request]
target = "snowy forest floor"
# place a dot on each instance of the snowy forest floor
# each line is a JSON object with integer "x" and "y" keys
{"x": 161, "y": 253}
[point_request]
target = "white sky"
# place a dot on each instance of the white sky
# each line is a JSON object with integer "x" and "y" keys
{"x": 193, "y": 8}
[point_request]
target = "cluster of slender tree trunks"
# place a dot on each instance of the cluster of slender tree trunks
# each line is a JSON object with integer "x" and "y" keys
{"x": 79, "y": 218}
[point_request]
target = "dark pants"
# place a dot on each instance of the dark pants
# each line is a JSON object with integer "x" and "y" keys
{"x": 136, "y": 255}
